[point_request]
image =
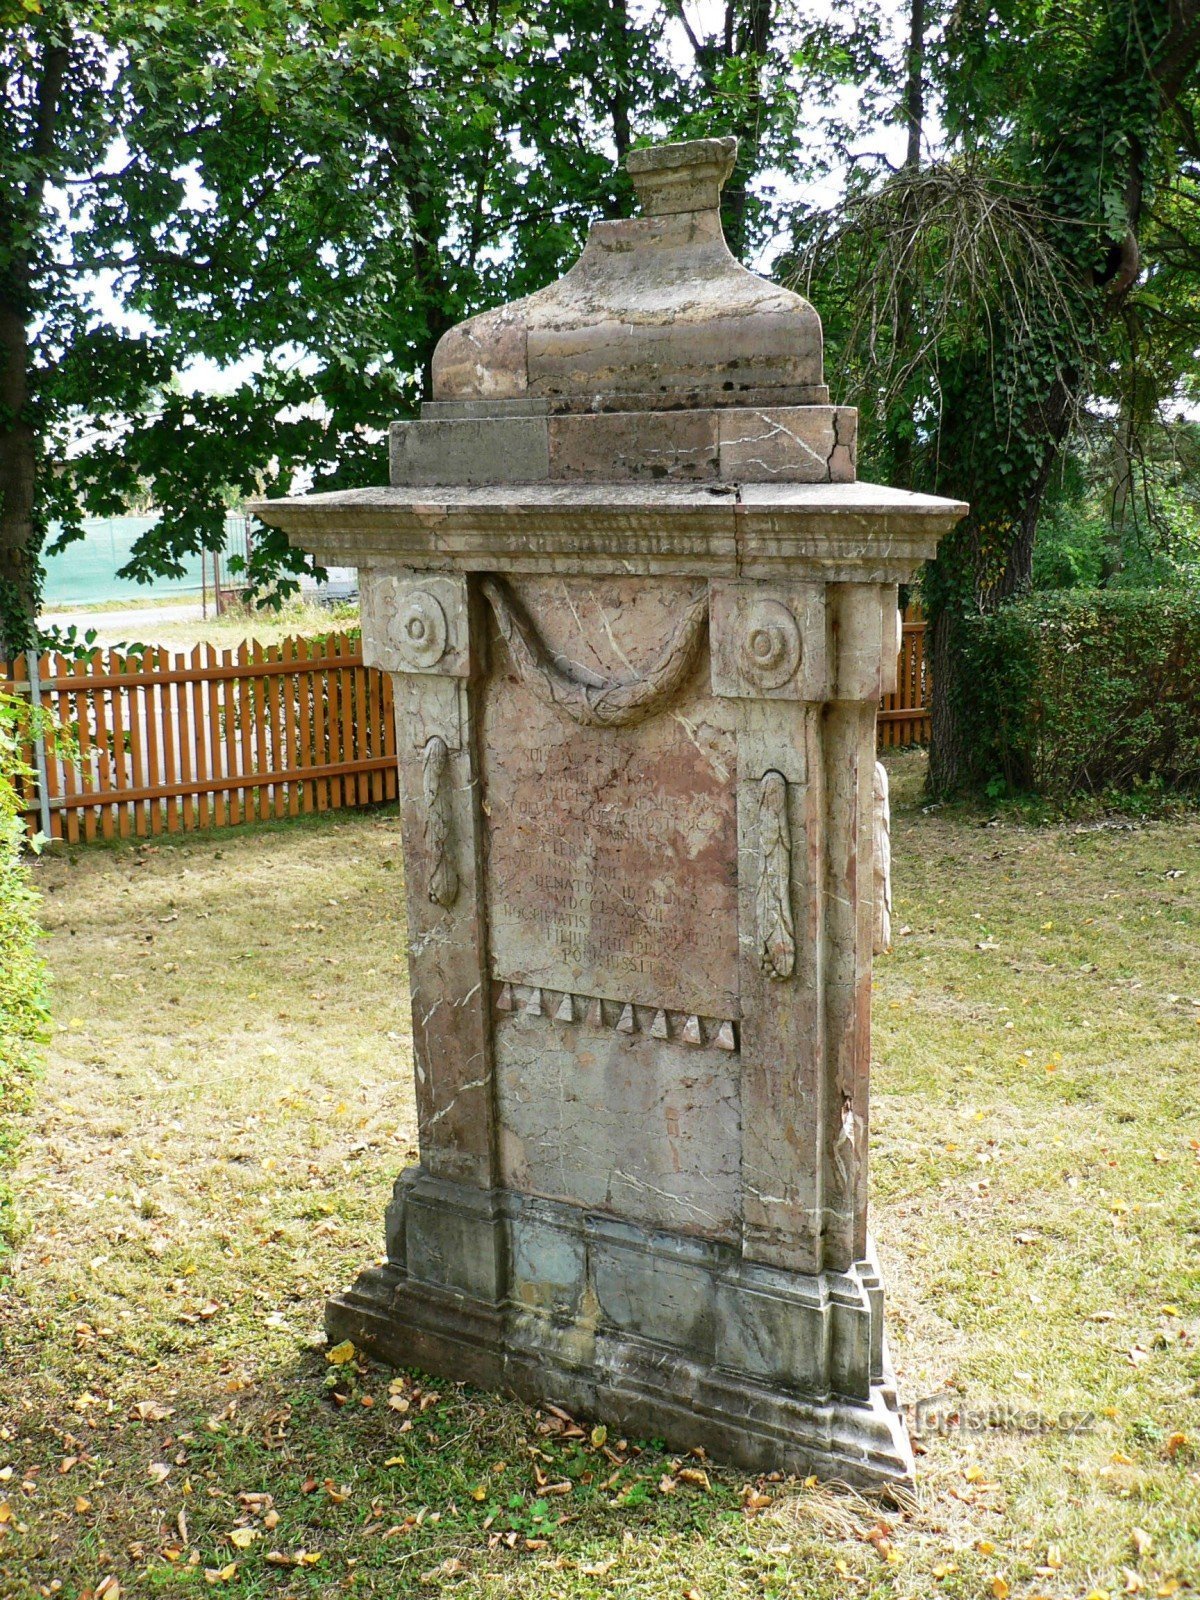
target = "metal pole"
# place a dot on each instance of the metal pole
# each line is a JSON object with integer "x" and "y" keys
{"x": 39, "y": 739}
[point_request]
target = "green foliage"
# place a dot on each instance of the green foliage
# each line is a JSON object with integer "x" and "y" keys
{"x": 23, "y": 1015}
{"x": 1085, "y": 691}
{"x": 303, "y": 195}
{"x": 1122, "y": 517}
{"x": 1043, "y": 256}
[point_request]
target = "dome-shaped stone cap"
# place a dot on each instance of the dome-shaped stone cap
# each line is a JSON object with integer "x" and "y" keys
{"x": 655, "y": 314}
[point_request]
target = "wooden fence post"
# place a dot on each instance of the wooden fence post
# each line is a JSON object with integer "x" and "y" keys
{"x": 39, "y": 739}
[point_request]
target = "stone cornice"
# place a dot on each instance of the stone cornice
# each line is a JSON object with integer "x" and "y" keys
{"x": 849, "y": 532}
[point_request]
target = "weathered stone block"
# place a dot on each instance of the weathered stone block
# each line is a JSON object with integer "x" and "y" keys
{"x": 454, "y": 1238}
{"x": 502, "y": 450}
{"x": 548, "y": 1263}
{"x": 617, "y": 1120}
{"x": 666, "y": 1294}
{"x": 777, "y": 1331}
{"x": 794, "y": 444}
{"x": 664, "y": 446}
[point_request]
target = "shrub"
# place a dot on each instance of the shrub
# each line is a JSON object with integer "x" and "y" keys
{"x": 23, "y": 1015}
{"x": 1083, "y": 691}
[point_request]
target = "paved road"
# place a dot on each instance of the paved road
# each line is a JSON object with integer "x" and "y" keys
{"x": 137, "y": 623}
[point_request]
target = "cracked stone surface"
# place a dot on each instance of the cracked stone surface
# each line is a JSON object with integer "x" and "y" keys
{"x": 631, "y": 894}
{"x": 638, "y": 616}
{"x": 614, "y": 1121}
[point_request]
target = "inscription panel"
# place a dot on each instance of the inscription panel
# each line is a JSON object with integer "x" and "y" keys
{"x": 661, "y": 1139}
{"x": 611, "y": 852}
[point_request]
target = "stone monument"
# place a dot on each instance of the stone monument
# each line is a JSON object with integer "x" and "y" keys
{"x": 639, "y": 615}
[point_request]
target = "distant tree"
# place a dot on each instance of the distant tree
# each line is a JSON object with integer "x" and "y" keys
{"x": 306, "y": 194}
{"x": 1037, "y": 248}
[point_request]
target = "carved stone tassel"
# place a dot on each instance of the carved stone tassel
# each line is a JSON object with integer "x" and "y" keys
{"x": 776, "y": 934}
{"x": 443, "y": 877}
{"x": 883, "y": 862}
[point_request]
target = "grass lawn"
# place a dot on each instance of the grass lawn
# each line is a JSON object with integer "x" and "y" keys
{"x": 227, "y": 1099}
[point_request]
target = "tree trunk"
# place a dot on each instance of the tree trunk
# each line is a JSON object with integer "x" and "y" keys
{"x": 948, "y": 748}
{"x": 619, "y": 102}
{"x": 20, "y": 218}
{"x": 963, "y": 576}
{"x": 18, "y": 559}
{"x": 1122, "y": 492}
{"x": 898, "y": 428}
{"x": 752, "y": 41}
{"x": 914, "y": 84}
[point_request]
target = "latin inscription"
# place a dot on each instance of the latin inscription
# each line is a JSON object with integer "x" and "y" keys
{"x": 611, "y": 862}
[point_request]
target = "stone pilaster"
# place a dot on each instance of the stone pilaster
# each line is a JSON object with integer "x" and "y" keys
{"x": 419, "y": 628}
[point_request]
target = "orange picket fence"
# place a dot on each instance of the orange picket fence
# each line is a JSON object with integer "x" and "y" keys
{"x": 161, "y": 742}
{"x": 904, "y": 716}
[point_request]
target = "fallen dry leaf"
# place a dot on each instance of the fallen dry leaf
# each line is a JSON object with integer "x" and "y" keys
{"x": 448, "y": 1569}
{"x": 152, "y": 1411}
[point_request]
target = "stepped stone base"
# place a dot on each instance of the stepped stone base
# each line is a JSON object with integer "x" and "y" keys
{"x": 658, "y": 1335}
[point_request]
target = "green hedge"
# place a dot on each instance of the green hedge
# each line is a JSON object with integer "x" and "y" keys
{"x": 1083, "y": 691}
{"x": 23, "y": 1015}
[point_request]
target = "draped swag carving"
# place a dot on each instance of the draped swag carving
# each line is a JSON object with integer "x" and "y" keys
{"x": 591, "y": 700}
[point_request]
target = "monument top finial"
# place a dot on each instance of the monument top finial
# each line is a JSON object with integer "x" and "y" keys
{"x": 654, "y": 315}
{"x": 669, "y": 178}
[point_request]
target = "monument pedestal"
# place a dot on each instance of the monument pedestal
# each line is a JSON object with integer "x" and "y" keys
{"x": 661, "y": 1334}
{"x": 639, "y": 617}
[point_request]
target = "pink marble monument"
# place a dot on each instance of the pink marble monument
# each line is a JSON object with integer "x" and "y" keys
{"x": 639, "y": 614}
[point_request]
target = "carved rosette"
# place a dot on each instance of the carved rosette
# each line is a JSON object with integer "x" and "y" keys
{"x": 416, "y": 624}
{"x": 769, "y": 649}
{"x": 417, "y": 630}
{"x": 769, "y": 646}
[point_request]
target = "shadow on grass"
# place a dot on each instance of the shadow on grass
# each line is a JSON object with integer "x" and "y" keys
{"x": 321, "y": 1475}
